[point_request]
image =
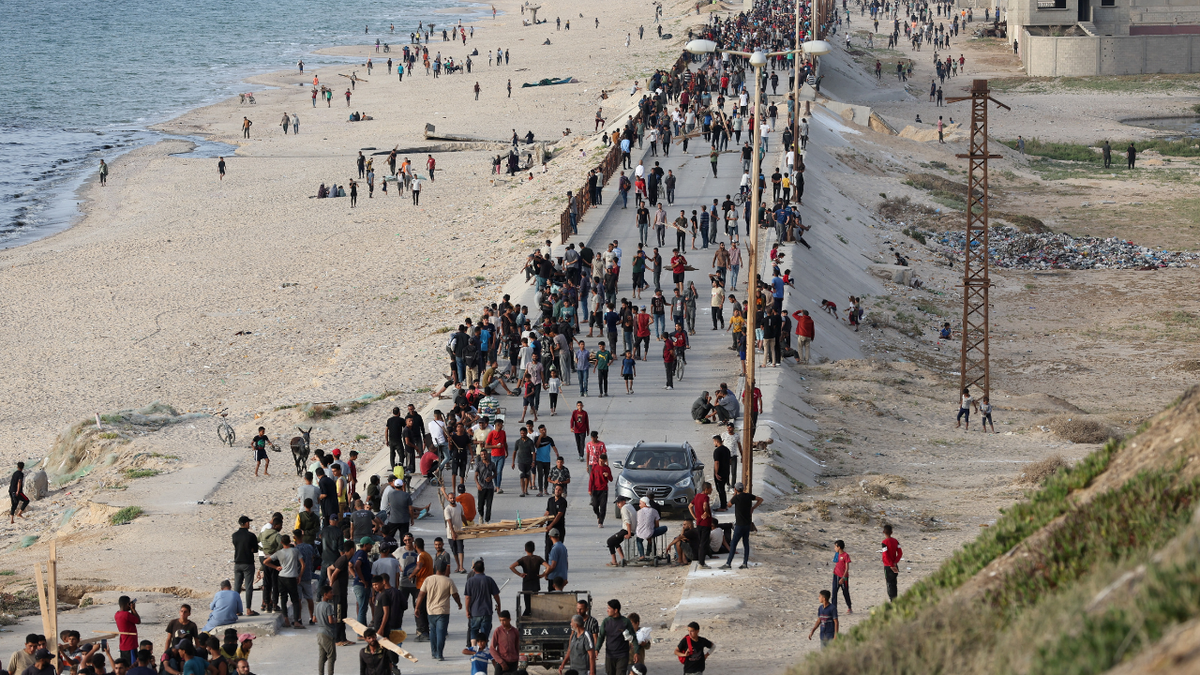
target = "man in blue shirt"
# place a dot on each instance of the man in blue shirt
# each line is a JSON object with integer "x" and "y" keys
{"x": 557, "y": 576}
{"x": 225, "y": 607}
{"x": 777, "y": 291}
{"x": 625, "y": 147}
{"x": 827, "y": 620}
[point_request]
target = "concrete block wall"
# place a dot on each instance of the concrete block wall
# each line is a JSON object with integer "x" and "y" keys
{"x": 1115, "y": 55}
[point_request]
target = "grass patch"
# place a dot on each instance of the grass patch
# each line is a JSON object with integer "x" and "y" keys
{"x": 1073, "y": 152}
{"x": 1037, "y": 472}
{"x": 141, "y": 473}
{"x": 7, "y": 573}
{"x": 109, "y": 435}
{"x": 286, "y": 407}
{"x": 126, "y": 515}
{"x": 927, "y": 306}
{"x": 914, "y": 234}
{"x": 955, "y": 637}
{"x": 361, "y": 437}
{"x": 1120, "y": 84}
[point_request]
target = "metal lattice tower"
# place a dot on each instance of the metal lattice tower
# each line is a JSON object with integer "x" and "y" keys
{"x": 975, "y": 370}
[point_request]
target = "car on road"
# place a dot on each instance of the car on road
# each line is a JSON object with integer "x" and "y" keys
{"x": 668, "y": 473}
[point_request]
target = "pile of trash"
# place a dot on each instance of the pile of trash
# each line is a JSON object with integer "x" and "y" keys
{"x": 1011, "y": 248}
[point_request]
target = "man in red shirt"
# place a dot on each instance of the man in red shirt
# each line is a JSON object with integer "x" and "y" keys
{"x": 701, "y": 510}
{"x": 580, "y": 427}
{"x": 431, "y": 163}
{"x": 805, "y": 332}
{"x": 497, "y": 443}
{"x": 678, "y": 267}
{"x": 641, "y": 335}
{"x": 892, "y": 554}
{"x": 595, "y": 448}
{"x": 599, "y": 476}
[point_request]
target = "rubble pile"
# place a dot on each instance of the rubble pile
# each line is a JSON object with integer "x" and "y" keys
{"x": 1011, "y": 248}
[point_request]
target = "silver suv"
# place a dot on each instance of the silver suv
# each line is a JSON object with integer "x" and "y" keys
{"x": 668, "y": 473}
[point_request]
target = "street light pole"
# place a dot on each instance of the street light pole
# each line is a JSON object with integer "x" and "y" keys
{"x": 758, "y": 60}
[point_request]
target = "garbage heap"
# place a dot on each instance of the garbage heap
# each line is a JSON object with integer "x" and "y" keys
{"x": 1010, "y": 248}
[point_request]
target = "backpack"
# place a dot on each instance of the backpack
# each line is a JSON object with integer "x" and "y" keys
{"x": 450, "y": 344}
{"x": 683, "y": 659}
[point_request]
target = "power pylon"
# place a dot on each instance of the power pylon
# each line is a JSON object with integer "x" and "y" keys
{"x": 974, "y": 366}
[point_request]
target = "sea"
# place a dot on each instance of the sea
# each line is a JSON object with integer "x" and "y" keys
{"x": 86, "y": 78}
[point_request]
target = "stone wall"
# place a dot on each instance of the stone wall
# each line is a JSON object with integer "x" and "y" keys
{"x": 1116, "y": 55}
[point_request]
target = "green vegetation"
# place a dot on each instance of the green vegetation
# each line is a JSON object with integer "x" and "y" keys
{"x": 914, "y": 233}
{"x": 1040, "y": 611}
{"x": 141, "y": 473}
{"x": 1077, "y": 152}
{"x": 361, "y": 437}
{"x": 1122, "y": 84}
{"x": 7, "y": 573}
{"x": 927, "y": 306}
{"x": 126, "y": 515}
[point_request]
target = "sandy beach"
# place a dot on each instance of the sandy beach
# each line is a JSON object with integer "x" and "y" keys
{"x": 143, "y": 299}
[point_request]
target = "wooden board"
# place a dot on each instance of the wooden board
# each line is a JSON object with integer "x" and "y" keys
{"x": 503, "y": 533}
{"x": 387, "y": 644}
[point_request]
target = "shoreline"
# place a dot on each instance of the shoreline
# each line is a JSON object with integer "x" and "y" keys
{"x": 137, "y": 300}
{"x": 74, "y": 195}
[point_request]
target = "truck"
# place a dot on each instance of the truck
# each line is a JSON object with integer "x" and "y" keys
{"x": 543, "y": 621}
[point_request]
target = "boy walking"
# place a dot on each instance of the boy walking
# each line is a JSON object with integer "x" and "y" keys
{"x": 628, "y": 371}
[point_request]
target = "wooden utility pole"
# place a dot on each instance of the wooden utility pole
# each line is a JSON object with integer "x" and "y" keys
{"x": 48, "y": 598}
{"x": 974, "y": 367}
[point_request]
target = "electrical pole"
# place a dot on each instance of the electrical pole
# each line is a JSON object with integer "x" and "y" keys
{"x": 974, "y": 367}
{"x": 751, "y": 305}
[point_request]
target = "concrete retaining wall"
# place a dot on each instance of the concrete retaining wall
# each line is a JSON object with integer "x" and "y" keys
{"x": 1110, "y": 55}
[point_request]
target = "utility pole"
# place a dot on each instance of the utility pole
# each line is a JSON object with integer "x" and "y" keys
{"x": 974, "y": 367}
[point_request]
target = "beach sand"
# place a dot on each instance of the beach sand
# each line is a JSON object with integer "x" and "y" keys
{"x": 143, "y": 299}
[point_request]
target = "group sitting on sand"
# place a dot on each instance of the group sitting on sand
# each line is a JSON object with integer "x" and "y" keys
{"x": 359, "y": 117}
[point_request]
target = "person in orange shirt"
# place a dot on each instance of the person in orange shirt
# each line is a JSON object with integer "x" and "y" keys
{"x": 423, "y": 571}
{"x": 468, "y": 504}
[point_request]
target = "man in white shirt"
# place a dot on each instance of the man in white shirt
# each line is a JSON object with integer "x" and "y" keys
{"x": 453, "y": 514}
{"x": 647, "y": 526}
{"x": 639, "y": 171}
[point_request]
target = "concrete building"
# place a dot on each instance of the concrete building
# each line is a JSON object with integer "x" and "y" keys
{"x": 1106, "y": 37}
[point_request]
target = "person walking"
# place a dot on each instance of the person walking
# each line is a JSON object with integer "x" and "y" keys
{"x": 744, "y": 504}
{"x": 103, "y": 173}
{"x": 599, "y": 476}
{"x": 556, "y": 573}
{"x": 326, "y": 619}
{"x": 416, "y": 190}
{"x": 434, "y": 601}
{"x": 246, "y": 124}
{"x": 805, "y": 332}
{"x": 478, "y": 594}
{"x": 580, "y": 424}
{"x": 615, "y": 632}
{"x": 694, "y": 650}
{"x": 16, "y": 494}
{"x": 701, "y": 510}
{"x": 827, "y": 620}
{"x": 841, "y": 574}
{"x": 892, "y": 554}
{"x": 580, "y": 656}
{"x": 1131, "y": 155}
{"x": 476, "y": 91}
{"x": 628, "y": 371}
{"x": 1106, "y": 150}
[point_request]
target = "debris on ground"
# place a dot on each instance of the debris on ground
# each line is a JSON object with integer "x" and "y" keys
{"x": 1011, "y": 248}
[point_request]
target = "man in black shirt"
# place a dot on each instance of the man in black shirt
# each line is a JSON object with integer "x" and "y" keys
{"x": 327, "y": 493}
{"x": 16, "y": 493}
{"x": 393, "y": 435}
{"x": 331, "y": 547}
{"x": 744, "y": 504}
{"x": 556, "y": 507}
{"x": 531, "y": 573}
{"x": 721, "y": 461}
{"x": 338, "y": 576}
{"x": 692, "y": 650}
{"x": 245, "y": 546}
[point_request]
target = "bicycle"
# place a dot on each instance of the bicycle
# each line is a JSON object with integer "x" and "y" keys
{"x": 680, "y": 362}
{"x": 740, "y": 197}
{"x": 225, "y": 432}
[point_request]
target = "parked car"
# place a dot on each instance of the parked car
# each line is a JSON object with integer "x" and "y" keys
{"x": 668, "y": 473}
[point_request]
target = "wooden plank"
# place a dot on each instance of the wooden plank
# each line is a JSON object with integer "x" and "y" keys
{"x": 387, "y": 644}
{"x": 101, "y": 636}
{"x": 41, "y": 589}
{"x": 503, "y": 533}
